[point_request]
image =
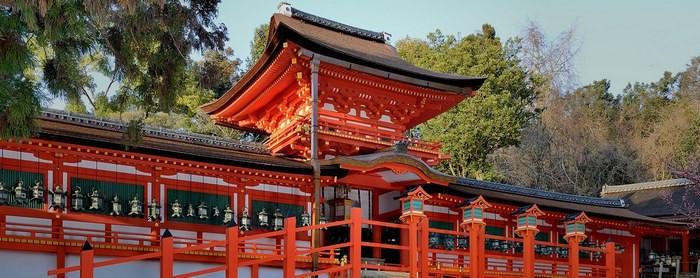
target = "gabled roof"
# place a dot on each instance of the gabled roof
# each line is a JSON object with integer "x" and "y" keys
{"x": 344, "y": 46}
{"x": 647, "y": 198}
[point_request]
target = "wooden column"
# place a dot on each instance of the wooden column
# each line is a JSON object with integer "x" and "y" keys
{"x": 355, "y": 242}
{"x": 255, "y": 271}
{"x": 685, "y": 252}
{"x": 232, "y": 251}
{"x": 610, "y": 260}
{"x": 412, "y": 249}
{"x": 166, "y": 255}
{"x": 424, "y": 256}
{"x": 376, "y": 230}
{"x": 87, "y": 257}
{"x": 529, "y": 253}
{"x": 403, "y": 240}
{"x": 60, "y": 260}
{"x": 476, "y": 250}
{"x": 573, "y": 256}
{"x": 290, "y": 243}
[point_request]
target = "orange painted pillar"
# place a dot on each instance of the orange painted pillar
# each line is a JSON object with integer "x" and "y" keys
{"x": 529, "y": 253}
{"x": 403, "y": 241}
{"x": 166, "y": 255}
{"x": 412, "y": 248}
{"x": 476, "y": 250}
{"x": 290, "y": 242}
{"x": 255, "y": 271}
{"x": 573, "y": 257}
{"x": 685, "y": 255}
{"x": 610, "y": 260}
{"x": 2, "y": 224}
{"x": 424, "y": 255}
{"x": 87, "y": 259}
{"x": 60, "y": 260}
{"x": 355, "y": 242}
{"x": 232, "y": 251}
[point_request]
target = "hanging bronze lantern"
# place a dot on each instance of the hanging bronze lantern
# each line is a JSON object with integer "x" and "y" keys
{"x": 116, "y": 206}
{"x": 135, "y": 207}
{"x": 20, "y": 194}
{"x": 190, "y": 210}
{"x": 153, "y": 211}
{"x": 4, "y": 195}
{"x": 38, "y": 192}
{"x": 95, "y": 200}
{"x": 277, "y": 220}
{"x": 202, "y": 210}
{"x": 176, "y": 207}
{"x": 215, "y": 212}
{"x": 245, "y": 220}
{"x": 263, "y": 218}
{"x": 228, "y": 215}
{"x": 305, "y": 219}
{"x": 77, "y": 200}
{"x": 58, "y": 198}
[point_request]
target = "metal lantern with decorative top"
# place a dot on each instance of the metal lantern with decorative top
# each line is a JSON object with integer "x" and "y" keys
{"x": 215, "y": 212}
{"x": 190, "y": 210}
{"x": 176, "y": 207}
{"x": 58, "y": 198}
{"x": 202, "y": 210}
{"x": 277, "y": 220}
{"x": 135, "y": 207}
{"x": 37, "y": 191}
{"x": 77, "y": 200}
{"x": 473, "y": 211}
{"x": 4, "y": 195}
{"x": 527, "y": 218}
{"x": 245, "y": 220}
{"x": 153, "y": 211}
{"x": 228, "y": 215}
{"x": 575, "y": 226}
{"x": 20, "y": 193}
{"x": 263, "y": 218}
{"x": 305, "y": 219}
{"x": 95, "y": 200}
{"x": 116, "y": 206}
{"x": 412, "y": 203}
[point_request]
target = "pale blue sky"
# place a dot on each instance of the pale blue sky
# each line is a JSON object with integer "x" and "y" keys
{"x": 624, "y": 41}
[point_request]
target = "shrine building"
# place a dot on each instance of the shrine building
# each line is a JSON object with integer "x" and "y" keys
{"x": 337, "y": 189}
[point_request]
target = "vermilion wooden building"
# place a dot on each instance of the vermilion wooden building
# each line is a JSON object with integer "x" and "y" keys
{"x": 76, "y": 200}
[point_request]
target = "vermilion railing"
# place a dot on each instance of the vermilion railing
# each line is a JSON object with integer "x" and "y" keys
{"x": 419, "y": 258}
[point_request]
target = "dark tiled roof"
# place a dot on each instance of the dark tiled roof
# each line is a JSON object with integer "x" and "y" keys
{"x": 648, "y": 198}
{"x": 337, "y": 26}
{"x": 164, "y": 133}
{"x": 537, "y": 193}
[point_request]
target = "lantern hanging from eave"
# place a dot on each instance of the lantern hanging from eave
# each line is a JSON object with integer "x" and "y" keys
{"x": 176, "y": 208}
{"x": 116, "y": 206}
{"x": 95, "y": 200}
{"x": 473, "y": 211}
{"x": 277, "y": 220}
{"x": 20, "y": 193}
{"x": 527, "y": 218}
{"x": 263, "y": 218}
{"x": 58, "y": 198}
{"x": 4, "y": 195}
{"x": 228, "y": 215}
{"x": 305, "y": 219}
{"x": 202, "y": 210}
{"x": 37, "y": 191}
{"x": 153, "y": 211}
{"x": 135, "y": 207}
{"x": 412, "y": 204}
{"x": 575, "y": 225}
{"x": 245, "y": 220}
{"x": 77, "y": 199}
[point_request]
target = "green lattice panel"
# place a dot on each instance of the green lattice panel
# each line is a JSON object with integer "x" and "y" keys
{"x": 187, "y": 197}
{"x": 107, "y": 190}
{"x": 10, "y": 178}
{"x": 441, "y": 225}
{"x": 495, "y": 231}
{"x": 288, "y": 210}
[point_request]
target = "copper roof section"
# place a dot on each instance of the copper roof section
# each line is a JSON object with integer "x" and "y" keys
{"x": 359, "y": 49}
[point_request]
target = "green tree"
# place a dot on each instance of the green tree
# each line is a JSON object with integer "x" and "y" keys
{"x": 143, "y": 46}
{"x": 257, "y": 45}
{"x": 490, "y": 120}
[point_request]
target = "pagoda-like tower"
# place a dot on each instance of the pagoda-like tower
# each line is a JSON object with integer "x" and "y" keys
{"x": 368, "y": 97}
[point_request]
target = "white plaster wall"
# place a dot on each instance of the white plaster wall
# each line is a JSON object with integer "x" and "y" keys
{"x": 387, "y": 202}
{"x": 22, "y": 264}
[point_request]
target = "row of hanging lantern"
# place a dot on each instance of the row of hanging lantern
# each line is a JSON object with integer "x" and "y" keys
{"x": 264, "y": 218}
{"x": 447, "y": 242}
{"x": 22, "y": 195}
